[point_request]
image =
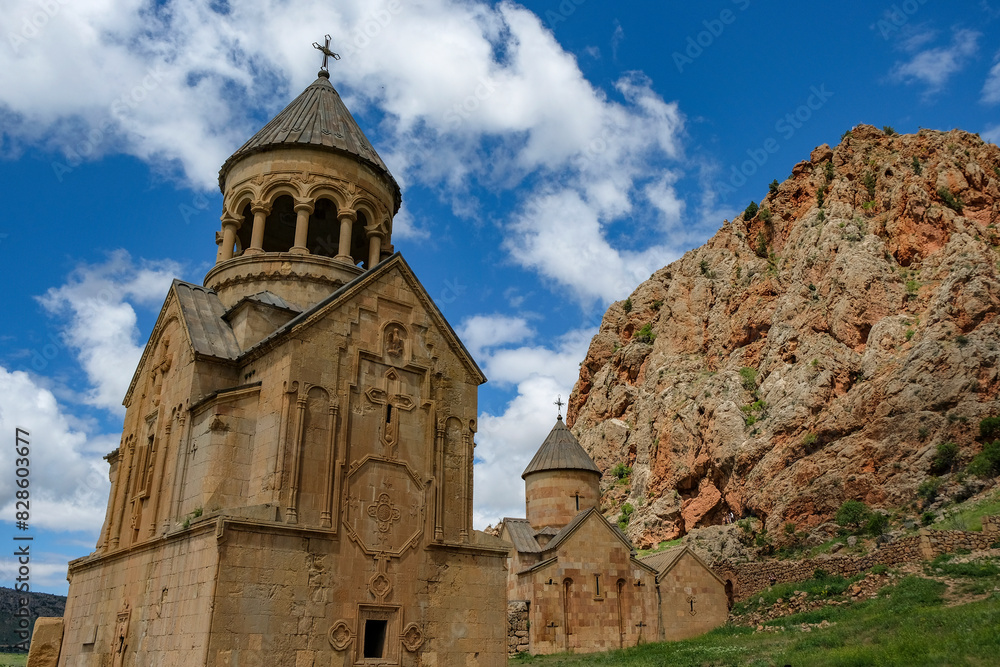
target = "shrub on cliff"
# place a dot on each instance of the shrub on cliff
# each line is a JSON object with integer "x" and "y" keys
{"x": 853, "y": 514}
{"x": 987, "y": 463}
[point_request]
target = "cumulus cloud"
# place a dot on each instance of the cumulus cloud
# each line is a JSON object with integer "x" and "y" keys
{"x": 507, "y": 441}
{"x": 480, "y": 333}
{"x": 991, "y": 134}
{"x": 96, "y": 306}
{"x": 991, "y": 89}
{"x": 68, "y": 480}
{"x": 932, "y": 67}
{"x": 457, "y": 95}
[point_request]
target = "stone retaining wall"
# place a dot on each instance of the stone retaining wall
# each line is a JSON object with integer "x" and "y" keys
{"x": 751, "y": 578}
{"x": 517, "y": 627}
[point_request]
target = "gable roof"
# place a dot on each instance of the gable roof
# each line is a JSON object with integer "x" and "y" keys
{"x": 357, "y": 285}
{"x": 317, "y": 118}
{"x": 560, "y": 451}
{"x": 266, "y": 298}
{"x": 202, "y": 318}
{"x": 581, "y": 518}
{"x": 664, "y": 561}
{"x": 522, "y": 536}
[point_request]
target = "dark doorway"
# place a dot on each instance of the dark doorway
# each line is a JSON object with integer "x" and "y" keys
{"x": 374, "y": 638}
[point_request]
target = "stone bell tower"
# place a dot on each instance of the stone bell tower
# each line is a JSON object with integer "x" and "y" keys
{"x": 308, "y": 204}
{"x": 294, "y": 480}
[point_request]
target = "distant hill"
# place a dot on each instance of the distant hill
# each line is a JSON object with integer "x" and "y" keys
{"x": 819, "y": 348}
{"x": 41, "y": 604}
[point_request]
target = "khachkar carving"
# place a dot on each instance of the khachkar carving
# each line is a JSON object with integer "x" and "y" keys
{"x": 384, "y": 513}
{"x": 392, "y": 401}
{"x": 121, "y": 634}
{"x": 385, "y": 506}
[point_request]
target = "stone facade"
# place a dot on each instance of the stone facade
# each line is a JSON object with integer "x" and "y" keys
{"x": 692, "y": 598}
{"x": 294, "y": 481}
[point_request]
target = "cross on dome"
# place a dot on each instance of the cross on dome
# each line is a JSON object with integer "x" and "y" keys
{"x": 327, "y": 53}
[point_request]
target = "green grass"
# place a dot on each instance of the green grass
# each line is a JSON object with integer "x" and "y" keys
{"x": 906, "y": 625}
{"x": 661, "y": 546}
{"x": 13, "y": 659}
{"x": 970, "y": 515}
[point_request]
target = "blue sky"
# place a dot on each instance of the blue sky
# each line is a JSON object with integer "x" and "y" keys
{"x": 552, "y": 155}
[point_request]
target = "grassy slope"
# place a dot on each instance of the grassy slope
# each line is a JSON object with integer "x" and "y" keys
{"x": 906, "y": 625}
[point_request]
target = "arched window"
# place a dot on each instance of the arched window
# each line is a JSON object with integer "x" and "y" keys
{"x": 244, "y": 232}
{"x": 324, "y": 229}
{"x": 279, "y": 226}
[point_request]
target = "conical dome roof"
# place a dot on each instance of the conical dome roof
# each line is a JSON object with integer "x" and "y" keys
{"x": 560, "y": 451}
{"x": 319, "y": 119}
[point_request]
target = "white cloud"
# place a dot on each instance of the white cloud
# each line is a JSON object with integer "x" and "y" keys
{"x": 991, "y": 89}
{"x": 933, "y": 67}
{"x": 991, "y": 134}
{"x": 482, "y": 332}
{"x": 472, "y": 94}
{"x": 506, "y": 442}
{"x": 68, "y": 480}
{"x": 100, "y": 321}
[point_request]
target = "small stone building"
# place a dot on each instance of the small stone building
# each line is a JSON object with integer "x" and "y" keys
{"x": 692, "y": 597}
{"x": 574, "y": 573}
{"x": 574, "y": 581}
{"x": 294, "y": 480}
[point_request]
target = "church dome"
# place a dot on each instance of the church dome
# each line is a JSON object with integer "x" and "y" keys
{"x": 560, "y": 482}
{"x": 560, "y": 451}
{"x": 317, "y": 118}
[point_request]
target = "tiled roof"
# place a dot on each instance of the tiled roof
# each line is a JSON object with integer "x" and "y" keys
{"x": 662, "y": 560}
{"x": 560, "y": 451}
{"x": 522, "y": 535}
{"x": 203, "y": 314}
{"x": 317, "y": 118}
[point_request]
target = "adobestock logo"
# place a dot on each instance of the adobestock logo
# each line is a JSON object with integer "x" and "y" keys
{"x": 786, "y": 127}
{"x": 696, "y": 44}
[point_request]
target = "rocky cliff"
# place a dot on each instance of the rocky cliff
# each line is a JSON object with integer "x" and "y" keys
{"x": 815, "y": 350}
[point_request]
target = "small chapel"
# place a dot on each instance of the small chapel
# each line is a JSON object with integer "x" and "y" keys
{"x": 294, "y": 480}
{"x": 574, "y": 581}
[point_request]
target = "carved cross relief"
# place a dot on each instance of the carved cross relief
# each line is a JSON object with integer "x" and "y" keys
{"x": 392, "y": 401}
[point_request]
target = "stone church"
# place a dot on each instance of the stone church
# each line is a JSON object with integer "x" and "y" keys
{"x": 294, "y": 480}
{"x": 574, "y": 581}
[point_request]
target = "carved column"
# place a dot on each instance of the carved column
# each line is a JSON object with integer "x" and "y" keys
{"x": 374, "y": 248}
{"x": 466, "y": 485}
{"x": 347, "y": 219}
{"x": 439, "y": 487}
{"x": 326, "y": 516}
{"x": 290, "y": 390}
{"x": 303, "y": 209}
{"x": 229, "y": 226}
{"x": 292, "y": 513}
{"x": 260, "y": 210}
{"x": 158, "y": 473}
{"x": 114, "y": 472}
{"x": 180, "y": 467}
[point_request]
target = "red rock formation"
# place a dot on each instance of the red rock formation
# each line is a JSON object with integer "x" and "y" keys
{"x": 867, "y": 330}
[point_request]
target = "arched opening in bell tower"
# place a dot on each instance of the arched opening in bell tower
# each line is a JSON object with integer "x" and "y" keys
{"x": 279, "y": 226}
{"x": 324, "y": 229}
{"x": 359, "y": 241}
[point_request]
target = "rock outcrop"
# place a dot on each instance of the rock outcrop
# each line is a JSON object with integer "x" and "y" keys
{"x": 814, "y": 351}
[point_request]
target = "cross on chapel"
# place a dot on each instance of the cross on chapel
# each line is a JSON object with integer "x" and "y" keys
{"x": 559, "y": 404}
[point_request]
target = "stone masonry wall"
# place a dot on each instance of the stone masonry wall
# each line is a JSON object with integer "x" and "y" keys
{"x": 751, "y": 578}
{"x": 517, "y": 627}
